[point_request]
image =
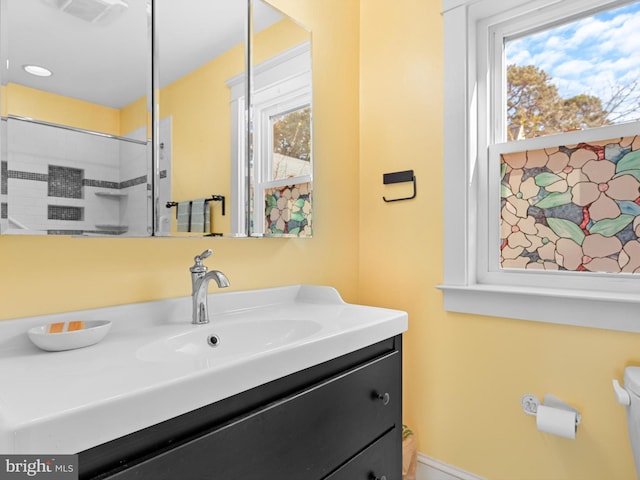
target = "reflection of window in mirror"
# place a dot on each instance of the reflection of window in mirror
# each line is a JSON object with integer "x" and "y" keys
{"x": 280, "y": 162}
{"x": 286, "y": 171}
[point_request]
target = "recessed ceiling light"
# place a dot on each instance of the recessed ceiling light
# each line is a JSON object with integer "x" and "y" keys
{"x": 37, "y": 70}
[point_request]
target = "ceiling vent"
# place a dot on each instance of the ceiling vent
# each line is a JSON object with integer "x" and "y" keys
{"x": 90, "y": 10}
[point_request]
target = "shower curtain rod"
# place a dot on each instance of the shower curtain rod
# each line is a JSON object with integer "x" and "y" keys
{"x": 72, "y": 129}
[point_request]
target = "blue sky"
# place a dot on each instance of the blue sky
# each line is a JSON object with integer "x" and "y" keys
{"x": 590, "y": 55}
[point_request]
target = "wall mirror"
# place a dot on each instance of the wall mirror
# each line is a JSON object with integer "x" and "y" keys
{"x": 77, "y": 156}
{"x": 75, "y": 80}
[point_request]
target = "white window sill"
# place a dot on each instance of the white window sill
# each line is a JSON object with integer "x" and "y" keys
{"x": 611, "y": 311}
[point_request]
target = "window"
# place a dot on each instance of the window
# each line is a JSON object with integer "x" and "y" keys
{"x": 549, "y": 222}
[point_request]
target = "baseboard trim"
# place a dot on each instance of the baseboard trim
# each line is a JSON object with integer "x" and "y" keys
{"x": 431, "y": 469}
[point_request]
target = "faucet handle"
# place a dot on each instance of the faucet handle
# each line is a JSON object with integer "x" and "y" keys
{"x": 198, "y": 267}
{"x": 198, "y": 258}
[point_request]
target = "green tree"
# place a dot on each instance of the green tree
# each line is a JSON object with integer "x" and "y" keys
{"x": 292, "y": 134}
{"x": 535, "y": 108}
{"x": 583, "y": 111}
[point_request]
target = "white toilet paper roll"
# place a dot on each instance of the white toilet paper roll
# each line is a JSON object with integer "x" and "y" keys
{"x": 556, "y": 421}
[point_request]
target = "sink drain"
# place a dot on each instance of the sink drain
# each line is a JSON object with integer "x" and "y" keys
{"x": 213, "y": 340}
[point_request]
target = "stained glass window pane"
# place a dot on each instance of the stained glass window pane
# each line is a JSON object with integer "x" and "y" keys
{"x": 572, "y": 207}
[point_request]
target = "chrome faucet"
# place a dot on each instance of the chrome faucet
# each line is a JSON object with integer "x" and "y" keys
{"x": 200, "y": 286}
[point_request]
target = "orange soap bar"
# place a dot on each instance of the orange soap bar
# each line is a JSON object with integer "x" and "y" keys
{"x": 76, "y": 325}
{"x": 56, "y": 327}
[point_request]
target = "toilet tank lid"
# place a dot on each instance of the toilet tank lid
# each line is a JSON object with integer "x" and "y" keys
{"x": 632, "y": 379}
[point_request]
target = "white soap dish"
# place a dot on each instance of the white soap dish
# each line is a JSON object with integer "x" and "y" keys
{"x": 55, "y": 337}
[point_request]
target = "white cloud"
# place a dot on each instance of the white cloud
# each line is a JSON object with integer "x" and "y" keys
{"x": 572, "y": 68}
{"x": 554, "y": 42}
{"x": 522, "y": 57}
{"x": 623, "y": 34}
{"x": 586, "y": 31}
{"x": 547, "y": 60}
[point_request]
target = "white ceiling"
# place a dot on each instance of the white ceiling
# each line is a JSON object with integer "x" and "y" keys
{"x": 108, "y": 62}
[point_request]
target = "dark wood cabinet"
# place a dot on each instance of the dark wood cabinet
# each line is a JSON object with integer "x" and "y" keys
{"x": 374, "y": 462}
{"x": 338, "y": 420}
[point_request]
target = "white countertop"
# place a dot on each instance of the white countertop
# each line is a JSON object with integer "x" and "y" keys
{"x": 65, "y": 402}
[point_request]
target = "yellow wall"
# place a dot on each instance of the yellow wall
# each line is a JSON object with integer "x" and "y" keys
{"x": 33, "y": 103}
{"x": 132, "y": 116}
{"x": 61, "y": 110}
{"x": 200, "y": 109}
{"x": 464, "y": 375}
{"x": 45, "y": 275}
{"x": 279, "y": 37}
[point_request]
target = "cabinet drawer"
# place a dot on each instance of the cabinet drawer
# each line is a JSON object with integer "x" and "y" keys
{"x": 304, "y": 436}
{"x": 382, "y": 460}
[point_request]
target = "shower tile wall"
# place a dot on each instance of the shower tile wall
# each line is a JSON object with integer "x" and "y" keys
{"x": 53, "y": 167}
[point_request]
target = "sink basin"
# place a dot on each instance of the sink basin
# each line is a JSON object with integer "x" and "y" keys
{"x": 222, "y": 341}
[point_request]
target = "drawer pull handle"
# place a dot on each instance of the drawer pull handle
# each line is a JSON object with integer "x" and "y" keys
{"x": 384, "y": 397}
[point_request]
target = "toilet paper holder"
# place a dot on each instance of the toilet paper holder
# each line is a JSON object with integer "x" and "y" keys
{"x": 530, "y": 404}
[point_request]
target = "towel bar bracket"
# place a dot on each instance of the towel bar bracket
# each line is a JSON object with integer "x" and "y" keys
{"x": 214, "y": 198}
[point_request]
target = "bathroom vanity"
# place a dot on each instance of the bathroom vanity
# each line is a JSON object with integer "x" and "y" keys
{"x": 300, "y": 385}
{"x": 337, "y": 420}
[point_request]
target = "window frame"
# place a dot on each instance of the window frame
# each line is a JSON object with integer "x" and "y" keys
{"x": 473, "y": 32}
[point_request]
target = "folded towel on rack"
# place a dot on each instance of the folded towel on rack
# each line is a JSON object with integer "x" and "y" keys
{"x": 200, "y": 216}
{"x": 183, "y": 216}
{"x": 193, "y": 216}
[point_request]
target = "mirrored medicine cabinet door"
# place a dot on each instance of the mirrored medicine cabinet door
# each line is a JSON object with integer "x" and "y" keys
{"x": 200, "y": 46}
{"x": 281, "y": 147}
{"x": 78, "y": 117}
{"x": 75, "y": 82}
{"x": 249, "y": 162}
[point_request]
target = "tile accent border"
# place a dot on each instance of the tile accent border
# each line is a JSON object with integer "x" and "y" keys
{"x": 87, "y": 182}
{"x": 20, "y": 175}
